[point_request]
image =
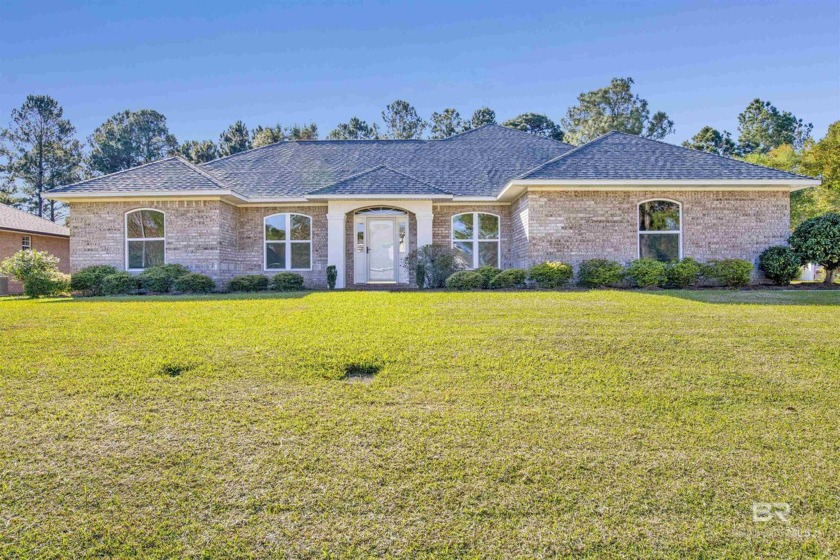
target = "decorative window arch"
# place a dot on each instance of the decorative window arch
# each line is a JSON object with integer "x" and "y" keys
{"x": 287, "y": 242}
{"x": 145, "y": 238}
{"x": 476, "y": 236}
{"x": 660, "y": 230}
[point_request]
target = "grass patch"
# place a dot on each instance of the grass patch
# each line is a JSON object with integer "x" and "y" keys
{"x": 518, "y": 424}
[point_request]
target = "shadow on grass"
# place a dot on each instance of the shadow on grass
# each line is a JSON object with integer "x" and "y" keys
{"x": 167, "y": 298}
{"x": 830, "y": 297}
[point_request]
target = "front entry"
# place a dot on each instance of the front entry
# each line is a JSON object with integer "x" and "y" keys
{"x": 381, "y": 249}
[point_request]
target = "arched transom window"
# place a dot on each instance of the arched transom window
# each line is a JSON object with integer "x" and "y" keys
{"x": 660, "y": 230}
{"x": 145, "y": 239}
{"x": 476, "y": 237}
{"x": 288, "y": 242}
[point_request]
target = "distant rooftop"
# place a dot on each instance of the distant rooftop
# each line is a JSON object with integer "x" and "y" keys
{"x": 17, "y": 220}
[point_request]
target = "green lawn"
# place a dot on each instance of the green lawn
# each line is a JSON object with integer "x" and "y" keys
{"x": 519, "y": 424}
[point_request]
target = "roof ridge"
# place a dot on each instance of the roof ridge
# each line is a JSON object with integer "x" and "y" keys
{"x": 193, "y": 167}
{"x": 77, "y": 183}
{"x": 693, "y": 150}
{"x": 561, "y": 156}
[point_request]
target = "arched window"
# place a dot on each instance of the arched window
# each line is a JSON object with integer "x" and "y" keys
{"x": 145, "y": 239}
{"x": 288, "y": 242}
{"x": 660, "y": 230}
{"x": 476, "y": 237}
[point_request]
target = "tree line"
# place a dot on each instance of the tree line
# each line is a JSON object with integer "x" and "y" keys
{"x": 40, "y": 151}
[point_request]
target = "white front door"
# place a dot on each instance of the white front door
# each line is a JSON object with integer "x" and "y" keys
{"x": 381, "y": 250}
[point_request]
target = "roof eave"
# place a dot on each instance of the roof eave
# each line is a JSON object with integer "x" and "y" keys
{"x": 226, "y": 194}
{"x": 34, "y": 232}
{"x": 516, "y": 187}
{"x": 379, "y": 197}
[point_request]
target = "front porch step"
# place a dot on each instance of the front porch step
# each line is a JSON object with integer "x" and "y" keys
{"x": 381, "y": 287}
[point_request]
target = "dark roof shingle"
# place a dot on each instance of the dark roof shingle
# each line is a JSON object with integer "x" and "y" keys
{"x": 378, "y": 181}
{"x": 14, "y": 219}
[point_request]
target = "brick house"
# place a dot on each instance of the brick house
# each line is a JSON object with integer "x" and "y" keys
{"x": 21, "y": 230}
{"x": 500, "y": 196}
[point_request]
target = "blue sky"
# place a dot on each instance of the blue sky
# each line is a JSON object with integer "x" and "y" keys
{"x": 207, "y": 64}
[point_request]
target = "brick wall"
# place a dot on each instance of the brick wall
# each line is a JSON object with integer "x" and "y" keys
{"x": 442, "y": 225}
{"x": 574, "y": 225}
{"x": 11, "y": 242}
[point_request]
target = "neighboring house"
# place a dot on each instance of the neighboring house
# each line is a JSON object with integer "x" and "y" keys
{"x": 21, "y": 230}
{"x": 502, "y": 197}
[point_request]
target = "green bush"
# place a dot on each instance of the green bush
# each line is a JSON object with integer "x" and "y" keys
{"x": 682, "y": 274}
{"x": 647, "y": 273}
{"x": 46, "y": 284}
{"x": 420, "y": 275}
{"x": 732, "y": 273}
{"x": 510, "y": 278}
{"x": 332, "y": 276}
{"x": 818, "y": 241}
{"x": 551, "y": 274}
{"x": 287, "y": 282}
{"x": 780, "y": 264}
{"x": 248, "y": 283}
{"x": 600, "y": 273}
{"x": 465, "y": 280}
{"x": 194, "y": 283}
{"x": 88, "y": 280}
{"x": 119, "y": 283}
{"x": 161, "y": 279}
{"x": 439, "y": 263}
{"x": 488, "y": 273}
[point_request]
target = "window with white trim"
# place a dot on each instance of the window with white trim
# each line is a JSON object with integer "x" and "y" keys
{"x": 288, "y": 242}
{"x": 476, "y": 237}
{"x": 660, "y": 230}
{"x": 26, "y": 243}
{"x": 145, "y": 239}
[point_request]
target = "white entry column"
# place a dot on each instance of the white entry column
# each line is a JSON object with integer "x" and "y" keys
{"x": 424, "y": 227}
{"x": 335, "y": 242}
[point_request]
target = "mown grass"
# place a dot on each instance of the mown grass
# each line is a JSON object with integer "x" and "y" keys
{"x": 520, "y": 424}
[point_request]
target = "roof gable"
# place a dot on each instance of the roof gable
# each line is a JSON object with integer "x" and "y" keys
{"x": 618, "y": 156}
{"x": 18, "y": 220}
{"x": 383, "y": 181}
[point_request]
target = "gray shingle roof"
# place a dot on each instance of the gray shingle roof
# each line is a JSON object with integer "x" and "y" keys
{"x": 12, "y": 218}
{"x": 378, "y": 181}
{"x": 476, "y": 163}
{"x": 170, "y": 174}
{"x": 619, "y": 156}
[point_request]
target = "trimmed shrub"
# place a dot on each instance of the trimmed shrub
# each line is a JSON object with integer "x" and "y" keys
{"x": 780, "y": 264}
{"x": 30, "y": 265}
{"x": 287, "y": 282}
{"x": 248, "y": 283}
{"x": 439, "y": 263}
{"x": 332, "y": 276}
{"x": 160, "y": 279}
{"x": 88, "y": 280}
{"x": 732, "y": 273}
{"x": 465, "y": 280}
{"x": 46, "y": 284}
{"x": 647, "y": 273}
{"x": 682, "y": 274}
{"x": 119, "y": 283}
{"x": 818, "y": 241}
{"x": 551, "y": 274}
{"x": 600, "y": 273}
{"x": 194, "y": 283}
{"x": 510, "y": 278}
{"x": 488, "y": 273}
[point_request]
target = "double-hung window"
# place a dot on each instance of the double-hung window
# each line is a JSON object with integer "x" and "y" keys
{"x": 476, "y": 237}
{"x": 288, "y": 242}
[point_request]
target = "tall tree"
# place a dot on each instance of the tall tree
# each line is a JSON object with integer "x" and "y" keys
{"x": 763, "y": 127}
{"x": 355, "y": 129}
{"x": 713, "y": 141}
{"x": 483, "y": 116}
{"x": 822, "y": 159}
{"x": 41, "y": 152}
{"x": 268, "y": 135}
{"x": 305, "y": 132}
{"x": 199, "y": 151}
{"x": 235, "y": 139}
{"x": 128, "y": 139}
{"x": 535, "y": 124}
{"x": 448, "y": 123}
{"x": 402, "y": 121}
{"x": 614, "y": 107}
